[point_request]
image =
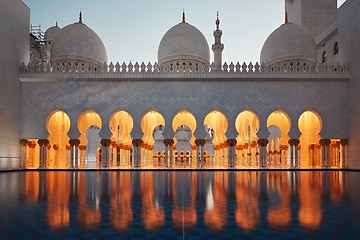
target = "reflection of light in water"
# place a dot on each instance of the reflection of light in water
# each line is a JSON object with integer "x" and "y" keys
{"x": 209, "y": 198}
{"x": 157, "y": 203}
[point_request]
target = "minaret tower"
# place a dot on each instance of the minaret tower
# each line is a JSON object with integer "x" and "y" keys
{"x": 217, "y": 47}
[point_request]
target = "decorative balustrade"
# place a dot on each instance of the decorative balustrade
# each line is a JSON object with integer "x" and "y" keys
{"x": 74, "y": 67}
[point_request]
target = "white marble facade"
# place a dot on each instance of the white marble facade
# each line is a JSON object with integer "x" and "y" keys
{"x": 330, "y": 89}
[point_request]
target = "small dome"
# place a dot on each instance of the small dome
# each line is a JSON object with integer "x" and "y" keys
{"x": 52, "y": 32}
{"x": 77, "y": 42}
{"x": 182, "y": 136}
{"x": 158, "y": 135}
{"x": 289, "y": 43}
{"x": 183, "y": 43}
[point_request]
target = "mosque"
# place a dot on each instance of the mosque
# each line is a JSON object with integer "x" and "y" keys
{"x": 63, "y": 105}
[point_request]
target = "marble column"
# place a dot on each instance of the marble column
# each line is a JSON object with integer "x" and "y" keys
{"x": 262, "y": 152}
{"x": 325, "y": 152}
{"x": 137, "y": 152}
{"x": 23, "y": 156}
{"x": 43, "y": 144}
{"x": 82, "y": 157}
{"x": 231, "y": 153}
{"x": 343, "y": 153}
{"x": 294, "y": 153}
{"x": 74, "y": 152}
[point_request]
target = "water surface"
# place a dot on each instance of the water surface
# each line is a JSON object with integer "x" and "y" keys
{"x": 179, "y": 205}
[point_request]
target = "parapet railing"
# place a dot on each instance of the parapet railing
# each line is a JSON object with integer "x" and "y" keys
{"x": 76, "y": 67}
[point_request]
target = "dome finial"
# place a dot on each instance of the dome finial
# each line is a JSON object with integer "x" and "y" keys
{"x": 80, "y": 17}
{"x": 217, "y": 22}
{"x": 56, "y": 23}
{"x": 286, "y": 17}
{"x": 183, "y": 17}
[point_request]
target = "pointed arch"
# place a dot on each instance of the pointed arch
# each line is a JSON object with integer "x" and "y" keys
{"x": 149, "y": 122}
{"x": 121, "y": 124}
{"x": 185, "y": 118}
{"x": 247, "y": 125}
{"x": 86, "y": 120}
{"x": 219, "y": 123}
{"x": 310, "y": 125}
{"x": 58, "y": 126}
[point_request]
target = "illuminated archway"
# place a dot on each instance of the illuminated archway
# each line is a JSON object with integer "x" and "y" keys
{"x": 310, "y": 126}
{"x": 185, "y": 118}
{"x": 58, "y": 125}
{"x": 121, "y": 125}
{"x": 247, "y": 125}
{"x": 219, "y": 123}
{"x": 278, "y": 124}
{"x": 149, "y": 122}
{"x": 216, "y": 125}
{"x": 89, "y": 125}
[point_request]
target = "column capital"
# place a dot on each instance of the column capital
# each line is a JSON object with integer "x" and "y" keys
{"x": 137, "y": 142}
{"x": 231, "y": 142}
{"x": 168, "y": 142}
{"x": 24, "y": 142}
{"x": 199, "y": 142}
{"x": 263, "y": 142}
{"x": 344, "y": 142}
{"x": 325, "y": 142}
{"x": 105, "y": 142}
{"x": 74, "y": 142}
{"x": 82, "y": 147}
{"x": 294, "y": 142}
{"x": 43, "y": 142}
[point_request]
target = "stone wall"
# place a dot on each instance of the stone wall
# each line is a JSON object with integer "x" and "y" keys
{"x": 349, "y": 34}
{"x": 14, "y": 49}
{"x": 327, "y": 98}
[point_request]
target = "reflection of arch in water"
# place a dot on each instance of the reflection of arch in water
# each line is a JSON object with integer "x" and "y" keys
{"x": 216, "y": 215}
{"x": 310, "y": 126}
{"x": 57, "y": 195}
{"x": 120, "y": 212}
{"x": 247, "y": 213}
{"x": 279, "y": 213}
{"x": 58, "y": 125}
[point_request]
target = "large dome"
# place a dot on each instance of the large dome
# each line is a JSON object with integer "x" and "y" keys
{"x": 289, "y": 43}
{"x": 78, "y": 43}
{"x": 183, "y": 43}
{"x": 52, "y": 32}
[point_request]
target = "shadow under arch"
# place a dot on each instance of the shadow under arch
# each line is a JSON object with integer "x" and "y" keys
{"x": 58, "y": 126}
{"x": 310, "y": 125}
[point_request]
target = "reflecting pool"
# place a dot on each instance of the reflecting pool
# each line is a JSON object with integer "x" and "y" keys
{"x": 179, "y": 205}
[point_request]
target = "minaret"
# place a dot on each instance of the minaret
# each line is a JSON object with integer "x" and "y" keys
{"x": 217, "y": 47}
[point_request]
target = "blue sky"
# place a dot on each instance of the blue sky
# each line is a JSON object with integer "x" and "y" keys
{"x": 132, "y": 30}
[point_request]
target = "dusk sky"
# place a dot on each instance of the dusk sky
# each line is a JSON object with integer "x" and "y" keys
{"x": 132, "y": 30}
